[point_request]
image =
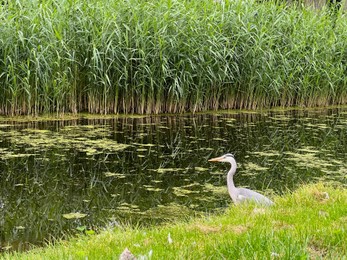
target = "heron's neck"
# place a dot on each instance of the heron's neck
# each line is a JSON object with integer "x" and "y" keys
{"x": 230, "y": 176}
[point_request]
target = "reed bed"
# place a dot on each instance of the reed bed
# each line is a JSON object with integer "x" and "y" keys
{"x": 168, "y": 56}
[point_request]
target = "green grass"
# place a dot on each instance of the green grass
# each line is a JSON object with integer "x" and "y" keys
{"x": 309, "y": 223}
{"x": 170, "y": 56}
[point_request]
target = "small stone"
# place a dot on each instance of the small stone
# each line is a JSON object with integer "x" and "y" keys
{"x": 169, "y": 239}
{"x": 274, "y": 255}
{"x": 127, "y": 255}
{"x": 326, "y": 195}
{"x": 323, "y": 214}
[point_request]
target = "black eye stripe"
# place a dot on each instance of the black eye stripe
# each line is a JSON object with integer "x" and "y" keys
{"x": 229, "y": 155}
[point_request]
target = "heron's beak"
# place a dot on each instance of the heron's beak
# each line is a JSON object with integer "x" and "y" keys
{"x": 217, "y": 159}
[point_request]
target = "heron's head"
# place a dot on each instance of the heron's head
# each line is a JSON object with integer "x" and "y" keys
{"x": 224, "y": 158}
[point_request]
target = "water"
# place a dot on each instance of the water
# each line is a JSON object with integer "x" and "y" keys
{"x": 80, "y": 176}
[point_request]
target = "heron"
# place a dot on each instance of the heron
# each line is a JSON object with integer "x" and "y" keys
{"x": 239, "y": 195}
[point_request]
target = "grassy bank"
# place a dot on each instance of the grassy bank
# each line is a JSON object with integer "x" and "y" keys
{"x": 311, "y": 222}
{"x": 168, "y": 56}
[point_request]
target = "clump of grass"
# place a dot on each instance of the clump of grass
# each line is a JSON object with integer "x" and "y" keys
{"x": 168, "y": 56}
{"x": 309, "y": 223}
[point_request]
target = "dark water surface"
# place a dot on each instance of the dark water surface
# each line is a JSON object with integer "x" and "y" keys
{"x": 79, "y": 176}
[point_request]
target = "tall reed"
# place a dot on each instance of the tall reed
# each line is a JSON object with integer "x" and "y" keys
{"x": 171, "y": 56}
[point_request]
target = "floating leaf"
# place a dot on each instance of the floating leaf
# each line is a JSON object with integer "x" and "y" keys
{"x": 217, "y": 190}
{"x": 154, "y": 189}
{"x": 280, "y": 118}
{"x": 165, "y": 170}
{"x": 145, "y": 145}
{"x": 201, "y": 169}
{"x": 113, "y": 174}
{"x": 4, "y": 125}
{"x": 20, "y": 227}
{"x": 157, "y": 181}
{"x": 74, "y": 215}
{"x": 179, "y": 191}
{"x": 255, "y": 167}
{"x": 81, "y": 228}
{"x": 38, "y": 131}
{"x": 90, "y": 139}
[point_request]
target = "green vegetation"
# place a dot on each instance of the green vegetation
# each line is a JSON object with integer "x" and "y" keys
{"x": 78, "y": 137}
{"x": 310, "y": 223}
{"x": 168, "y": 56}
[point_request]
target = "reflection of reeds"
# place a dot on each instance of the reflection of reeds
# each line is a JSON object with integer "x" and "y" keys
{"x": 162, "y": 56}
{"x": 72, "y": 168}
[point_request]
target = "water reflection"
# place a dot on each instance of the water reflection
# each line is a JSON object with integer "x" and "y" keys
{"x": 151, "y": 169}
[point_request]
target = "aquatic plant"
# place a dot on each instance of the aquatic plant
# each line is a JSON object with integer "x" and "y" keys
{"x": 167, "y": 56}
{"x": 54, "y": 168}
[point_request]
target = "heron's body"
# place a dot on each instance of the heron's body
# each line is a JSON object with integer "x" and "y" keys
{"x": 239, "y": 195}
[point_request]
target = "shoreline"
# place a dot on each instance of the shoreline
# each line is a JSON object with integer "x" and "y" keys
{"x": 309, "y": 222}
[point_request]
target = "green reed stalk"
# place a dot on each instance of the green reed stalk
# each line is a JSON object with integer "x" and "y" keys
{"x": 168, "y": 56}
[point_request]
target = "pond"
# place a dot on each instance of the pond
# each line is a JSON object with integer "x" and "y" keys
{"x": 62, "y": 177}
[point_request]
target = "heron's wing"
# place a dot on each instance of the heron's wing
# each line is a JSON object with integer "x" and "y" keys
{"x": 241, "y": 197}
{"x": 247, "y": 194}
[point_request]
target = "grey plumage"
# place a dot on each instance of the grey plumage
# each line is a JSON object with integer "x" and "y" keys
{"x": 239, "y": 195}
